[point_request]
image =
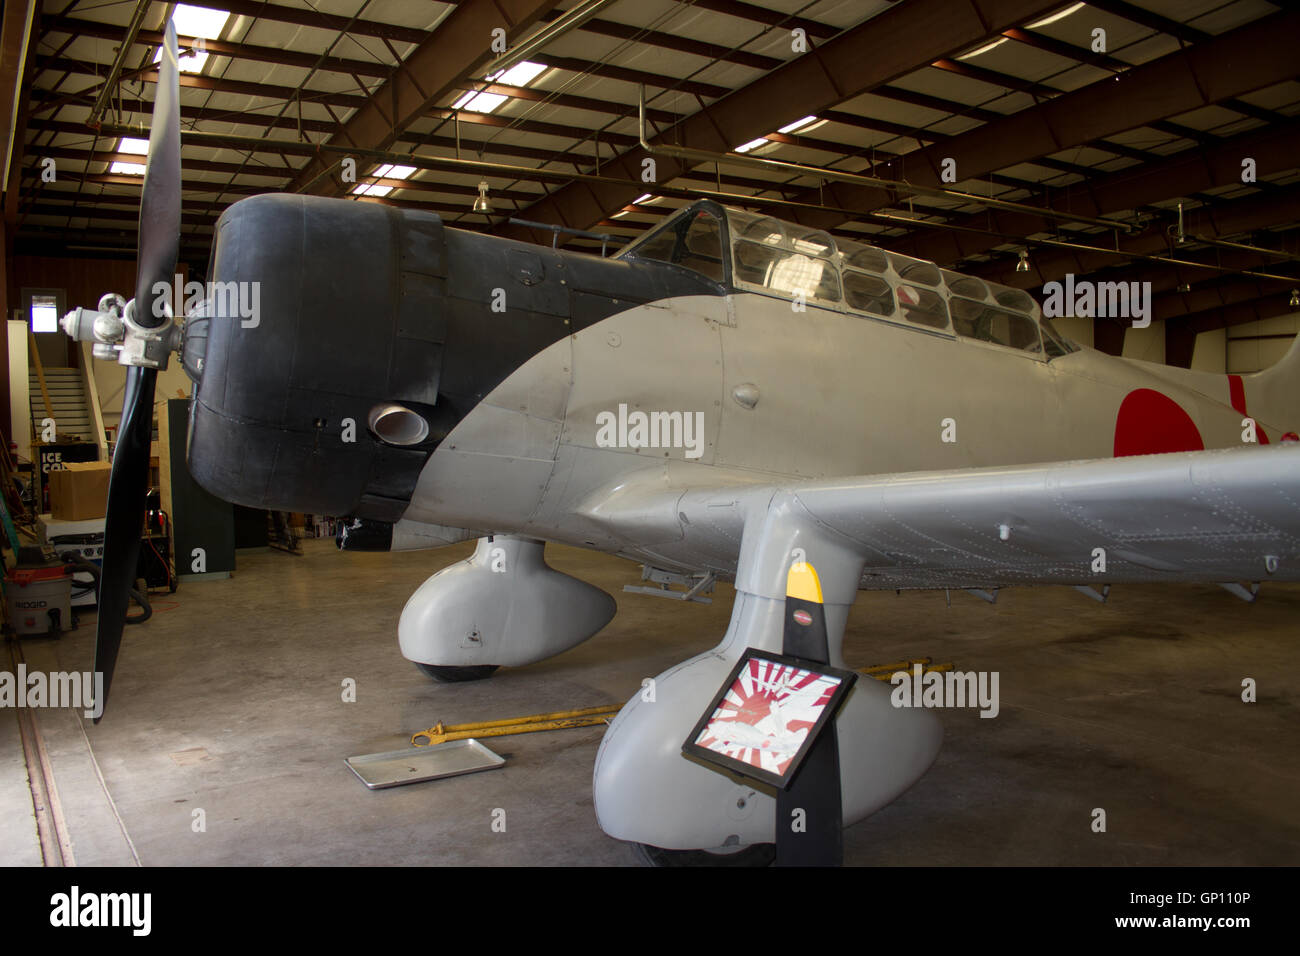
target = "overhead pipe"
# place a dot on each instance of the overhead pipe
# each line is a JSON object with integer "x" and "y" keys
{"x": 106, "y": 91}
{"x": 893, "y": 219}
{"x": 570, "y": 20}
{"x": 509, "y": 171}
{"x": 1243, "y": 247}
{"x": 1145, "y": 257}
{"x": 893, "y": 185}
{"x": 1180, "y": 236}
{"x": 604, "y": 237}
{"x": 19, "y": 51}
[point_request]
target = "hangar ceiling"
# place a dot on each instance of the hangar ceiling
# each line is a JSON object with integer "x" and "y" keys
{"x": 1017, "y": 97}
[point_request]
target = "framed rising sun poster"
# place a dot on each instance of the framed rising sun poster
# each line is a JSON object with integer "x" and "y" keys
{"x": 764, "y": 719}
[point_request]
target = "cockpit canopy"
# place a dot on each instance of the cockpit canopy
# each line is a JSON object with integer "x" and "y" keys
{"x": 750, "y": 252}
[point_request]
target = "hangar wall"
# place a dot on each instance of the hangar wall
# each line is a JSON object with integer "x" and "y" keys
{"x": 1239, "y": 349}
{"x": 1210, "y": 353}
{"x": 1147, "y": 344}
{"x": 83, "y": 281}
{"x": 1257, "y": 345}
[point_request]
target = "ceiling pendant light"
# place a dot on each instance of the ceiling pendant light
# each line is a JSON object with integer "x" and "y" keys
{"x": 482, "y": 204}
{"x": 1023, "y": 264}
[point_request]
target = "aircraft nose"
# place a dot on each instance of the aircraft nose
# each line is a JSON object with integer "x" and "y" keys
{"x": 316, "y": 356}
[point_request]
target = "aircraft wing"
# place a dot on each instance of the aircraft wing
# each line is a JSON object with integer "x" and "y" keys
{"x": 1215, "y": 516}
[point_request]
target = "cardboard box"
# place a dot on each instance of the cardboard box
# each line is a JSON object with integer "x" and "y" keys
{"x": 79, "y": 490}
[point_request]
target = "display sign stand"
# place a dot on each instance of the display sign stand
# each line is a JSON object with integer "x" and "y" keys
{"x": 773, "y": 721}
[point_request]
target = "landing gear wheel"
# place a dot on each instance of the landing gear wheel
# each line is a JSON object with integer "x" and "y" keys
{"x": 457, "y": 675}
{"x": 756, "y": 855}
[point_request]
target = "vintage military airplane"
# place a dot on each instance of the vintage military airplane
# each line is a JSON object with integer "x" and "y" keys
{"x": 727, "y": 395}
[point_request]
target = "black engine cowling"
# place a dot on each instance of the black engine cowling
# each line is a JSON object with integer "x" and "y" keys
{"x": 318, "y": 311}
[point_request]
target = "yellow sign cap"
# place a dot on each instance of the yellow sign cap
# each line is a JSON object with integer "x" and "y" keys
{"x": 802, "y": 582}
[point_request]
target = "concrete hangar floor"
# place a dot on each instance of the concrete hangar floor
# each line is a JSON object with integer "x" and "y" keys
{"x": 229, "y": 701}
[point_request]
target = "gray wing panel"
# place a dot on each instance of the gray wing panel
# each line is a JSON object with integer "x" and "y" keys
{"x": 1215, "y": 516}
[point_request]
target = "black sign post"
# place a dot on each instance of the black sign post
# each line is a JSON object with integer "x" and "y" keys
{"x": 809, "y": 818}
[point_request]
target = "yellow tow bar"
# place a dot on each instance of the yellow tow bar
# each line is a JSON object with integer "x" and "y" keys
{"x": 591, "y": 716}
{"x": 883, "y": 672}
{"x": 560, "y": 720}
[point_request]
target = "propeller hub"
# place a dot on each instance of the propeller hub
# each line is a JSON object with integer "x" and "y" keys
{"x": 148, "y": 347}
{"x": 117, "y": 336}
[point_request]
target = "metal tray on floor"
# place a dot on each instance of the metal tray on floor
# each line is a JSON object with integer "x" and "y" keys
{"x": 414, "y": 764}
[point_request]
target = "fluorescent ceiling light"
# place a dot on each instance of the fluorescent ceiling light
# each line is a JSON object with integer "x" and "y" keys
{"x": 389, "y": 171}
{"x": 1055, "y": 16}
{"x": 644, "y": 197}
{"x": 480, "y": 102}
{"x": 129, "y": 169}
{"x": 199, "y": 22}
{"x": 753, "y": 144}
{"x": 983, "y": 49}
{"x": 797, "y": 124}
{"x": 140, "y": 147}
{"x": 372, "y": 189}
{"x": 521, "y": 74}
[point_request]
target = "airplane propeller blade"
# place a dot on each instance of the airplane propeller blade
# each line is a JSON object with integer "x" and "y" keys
{"x": 160, "y": 201}
{"x": 159, "y": 244}
{"x": 127, "y": 490}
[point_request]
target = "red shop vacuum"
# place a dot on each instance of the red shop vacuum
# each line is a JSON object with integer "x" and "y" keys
{"x": 39, "y": 589}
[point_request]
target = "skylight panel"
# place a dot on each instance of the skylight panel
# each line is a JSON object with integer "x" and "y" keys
{"x": 384, "y": 171}
{"x": 983, "y": 49}
{"x": 200, "y": 23}
{"x": 1055, "y": 16}
{"x": 797, "y": 124}
{"x": 480, "y": 102}
{"x": 521, "y": 74}
{"x": 137, "y": 147}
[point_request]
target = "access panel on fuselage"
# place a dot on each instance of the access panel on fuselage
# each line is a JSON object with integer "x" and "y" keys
{"x": 841, "y": 394}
